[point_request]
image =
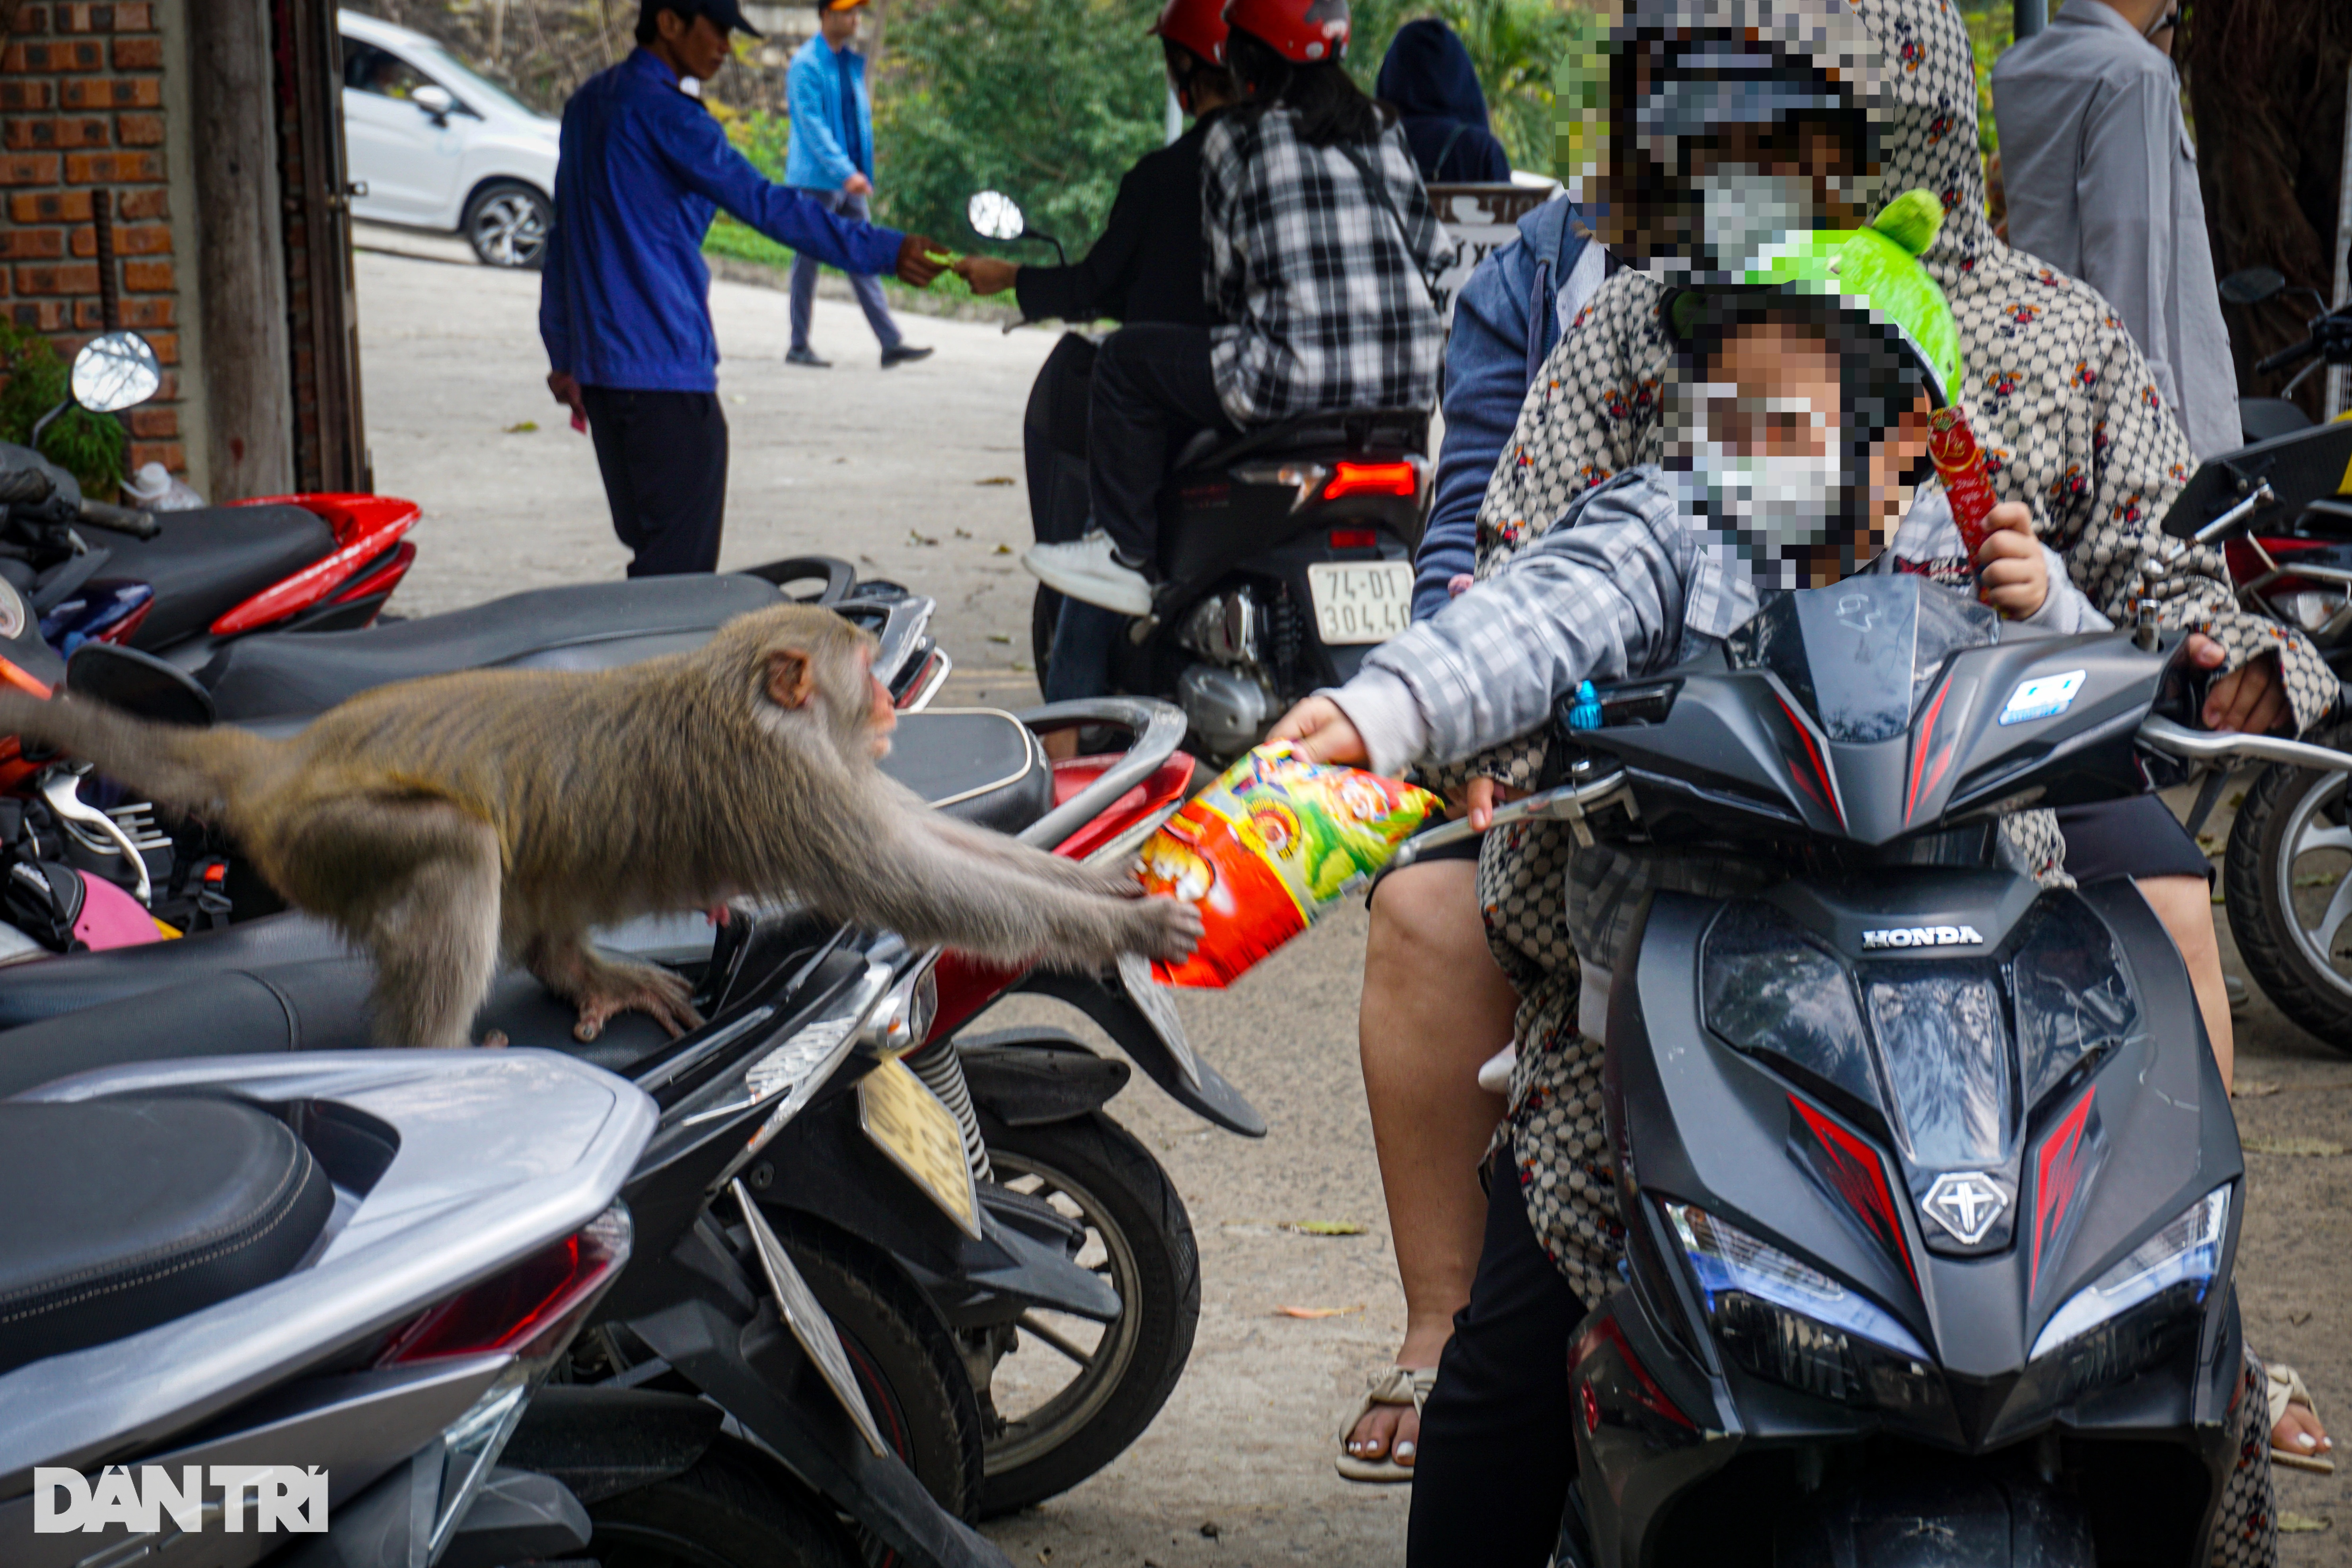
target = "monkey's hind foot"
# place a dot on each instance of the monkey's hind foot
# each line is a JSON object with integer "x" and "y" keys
{"x": 610, "y": 989}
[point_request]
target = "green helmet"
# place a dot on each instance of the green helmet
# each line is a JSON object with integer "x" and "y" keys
{"x": 1874, "y": 271}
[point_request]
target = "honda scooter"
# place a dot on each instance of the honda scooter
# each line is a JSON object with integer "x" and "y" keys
{"x": 1930, "y": 1185}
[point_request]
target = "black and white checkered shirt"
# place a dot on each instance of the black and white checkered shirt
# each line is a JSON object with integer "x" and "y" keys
{"x": 1324, "y": 290}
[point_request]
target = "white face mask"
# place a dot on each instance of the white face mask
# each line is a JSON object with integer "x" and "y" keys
{"x": 1742, "y": 209}
{"x": 1770, "y": 507}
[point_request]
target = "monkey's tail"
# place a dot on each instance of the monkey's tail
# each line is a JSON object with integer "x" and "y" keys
{"x": 181, "y": 769}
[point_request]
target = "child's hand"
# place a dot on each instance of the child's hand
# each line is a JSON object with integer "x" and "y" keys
{"x": 1319, "y": 732}
{"x": 986, "y": 274}
{"x": 2014, "y": 573}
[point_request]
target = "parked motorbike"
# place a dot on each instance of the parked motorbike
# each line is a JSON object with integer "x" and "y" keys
{"x": 2287, "y": 876}
{"x": 1930, "y": 1183}
{"x": 345, "y": 1270}
{"x": 1032, "y": 1101}
{"x": 185, "y": 584}
{"x": 1284, "y": 552}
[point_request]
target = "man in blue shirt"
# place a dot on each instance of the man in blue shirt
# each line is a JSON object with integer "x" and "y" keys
{"x": 832, "y": 159}
{"x": 624, "y": 304}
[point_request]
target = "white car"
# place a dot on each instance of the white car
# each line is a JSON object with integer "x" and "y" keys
{"x": 438, "y": 146}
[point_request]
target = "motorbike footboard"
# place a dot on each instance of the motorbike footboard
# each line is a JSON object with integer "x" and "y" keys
{"x": 1932, "y": 1521}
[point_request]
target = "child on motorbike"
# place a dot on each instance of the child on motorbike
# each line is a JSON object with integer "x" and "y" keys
{"x": 1797, "y": 420}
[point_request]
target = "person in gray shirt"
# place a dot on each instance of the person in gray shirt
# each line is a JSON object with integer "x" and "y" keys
{"x": 2101, "y": 181}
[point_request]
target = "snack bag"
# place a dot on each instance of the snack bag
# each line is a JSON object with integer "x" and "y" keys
{"x": 1270, "y": 845}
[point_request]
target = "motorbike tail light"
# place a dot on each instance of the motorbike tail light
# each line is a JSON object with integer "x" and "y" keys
{"x": 1355, "y": 539}
{"x": 529, "y": 1310}
{"x": 1372, "y": 479}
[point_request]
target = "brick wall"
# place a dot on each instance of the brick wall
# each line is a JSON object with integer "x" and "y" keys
{"x": 82, "y": 118}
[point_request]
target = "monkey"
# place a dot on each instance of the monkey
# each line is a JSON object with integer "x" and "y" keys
{"x": 442, "y": 825}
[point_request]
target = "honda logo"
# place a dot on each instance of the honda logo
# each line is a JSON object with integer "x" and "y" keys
{"x": 1966, "y": 1204}
{"x": 1922, "y": 936}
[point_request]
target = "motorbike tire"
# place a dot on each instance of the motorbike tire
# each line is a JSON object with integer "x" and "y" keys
{"x": 907, "y": 1361}
{"x": 1132, "y": 1212}
{"x": 2290, "y": 814}
{"x": 1045, "y": 614}
{"x": 735, "y": 1507}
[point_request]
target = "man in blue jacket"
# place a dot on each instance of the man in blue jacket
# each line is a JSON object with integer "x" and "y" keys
{"x": 832, "y": 160}
{"x": 624, "y": 304}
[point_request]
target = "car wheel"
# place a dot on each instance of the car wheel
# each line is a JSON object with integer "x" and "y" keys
{"x": 507, "y": 224}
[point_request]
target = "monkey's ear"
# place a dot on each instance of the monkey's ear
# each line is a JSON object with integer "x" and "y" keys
{"x": 789, "y": 680}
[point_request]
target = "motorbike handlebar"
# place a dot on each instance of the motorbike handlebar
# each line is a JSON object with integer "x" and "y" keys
{"x": 2206, "y": 746}
{"x": 2285, "y": 357}
{"x": 1571, "y": 802}
{"x": 18, "y": 485}
{"x": 120, "y": 519}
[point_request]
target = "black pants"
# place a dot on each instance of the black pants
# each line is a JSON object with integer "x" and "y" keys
{"x": 1153, "y": 391}
{"x": 664, "y": 458}
{"x": 1496, "y": 1451}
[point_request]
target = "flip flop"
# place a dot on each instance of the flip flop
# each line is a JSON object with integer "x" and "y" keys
{"x": 2285, "y": 1388}
{"x": 1397, "y": 1385}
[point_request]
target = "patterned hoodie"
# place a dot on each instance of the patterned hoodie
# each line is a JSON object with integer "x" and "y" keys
{"x": 2072, "y": 425}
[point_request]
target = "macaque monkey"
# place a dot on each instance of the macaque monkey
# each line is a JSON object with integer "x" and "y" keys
{"x": 443, "y": 823}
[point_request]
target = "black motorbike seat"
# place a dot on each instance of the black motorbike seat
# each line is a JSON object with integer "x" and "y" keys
{"x": 126, "y": 1213}
{"x": 206, "y": 562}
{"x": 300, "y": 673}
{"x": 978, "y": 765}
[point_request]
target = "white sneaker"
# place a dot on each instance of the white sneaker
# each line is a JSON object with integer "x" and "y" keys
{"x": 1086, "y": 570}
{"x": 1495, "y": 1072}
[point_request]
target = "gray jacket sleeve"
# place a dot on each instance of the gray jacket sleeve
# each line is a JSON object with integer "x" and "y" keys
{"x": 1599, "y": 597}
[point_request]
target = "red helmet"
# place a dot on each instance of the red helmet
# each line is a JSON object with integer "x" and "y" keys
{"x": 1198, "y": 25}
{"x": 1304, "y": 32}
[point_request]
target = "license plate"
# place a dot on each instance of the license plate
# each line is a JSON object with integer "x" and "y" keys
{"x": 922, "y": 1137}
{"x": 1370, "y": 601}
{"x": 808, "y": 1320}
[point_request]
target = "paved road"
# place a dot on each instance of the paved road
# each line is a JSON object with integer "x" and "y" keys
{"x": 895, "y": 470}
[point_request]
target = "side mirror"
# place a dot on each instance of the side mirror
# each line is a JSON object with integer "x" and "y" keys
{"x": 2253, "y": 286}
{"x": 433, "y": 100}
{"x": 995, "y": 215}
{"x": 114, "y": 372}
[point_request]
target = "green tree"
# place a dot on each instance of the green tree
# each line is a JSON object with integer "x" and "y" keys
{"x": 1047, "y": 101}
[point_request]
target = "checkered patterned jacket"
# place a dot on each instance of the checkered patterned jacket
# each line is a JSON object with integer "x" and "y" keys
{"x": 1325, "y": 285}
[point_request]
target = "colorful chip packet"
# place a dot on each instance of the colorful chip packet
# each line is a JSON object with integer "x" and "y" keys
{"x": 1268, "y": 847}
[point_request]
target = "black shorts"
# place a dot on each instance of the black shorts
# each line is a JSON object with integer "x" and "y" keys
{"x": 1460, "y": 850}
{"x": 2137, "y": 838}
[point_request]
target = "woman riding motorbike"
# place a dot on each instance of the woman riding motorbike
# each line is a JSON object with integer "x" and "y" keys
{"x": 1146, "y": 268}
{"x": 1321, "y": 245}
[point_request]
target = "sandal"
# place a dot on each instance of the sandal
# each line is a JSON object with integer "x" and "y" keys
{"x": 1397, "y": 1385}
{"x": 2285, "y": 1388}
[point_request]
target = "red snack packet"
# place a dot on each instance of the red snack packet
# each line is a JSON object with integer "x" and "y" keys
{"x": 1269, "y": 847}
{"x": 1960, "y": 461}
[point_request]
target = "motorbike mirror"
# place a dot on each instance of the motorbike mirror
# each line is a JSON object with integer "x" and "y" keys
{"x": 995, "y": 215}
{"x": 2252, "y": 285}
{"x": 433, "y": 99}
{"x": 114, "y": 372}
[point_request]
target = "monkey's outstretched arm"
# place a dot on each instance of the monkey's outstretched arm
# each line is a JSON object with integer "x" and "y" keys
{"x": 902, "y": 874}
{"x": 958, "y": 837}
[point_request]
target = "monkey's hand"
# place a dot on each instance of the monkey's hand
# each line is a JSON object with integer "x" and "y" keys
{"x": 635, "y": 988}
{"x": 1166, "y": 928}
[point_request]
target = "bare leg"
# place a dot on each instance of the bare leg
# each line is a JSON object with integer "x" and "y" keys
{"x": 2185, "y": 905}
{"x": 602, "y": 987}
{"x": 1434, "y": 1007}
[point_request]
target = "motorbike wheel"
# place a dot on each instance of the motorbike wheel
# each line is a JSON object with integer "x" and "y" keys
{"x": 733, "y": 1509}
{"x": 1045, "y": 614}
{"x": 2288, "y": 883}
{"x": 907, "y": 1363}
{"x": 1060, "y": 1430}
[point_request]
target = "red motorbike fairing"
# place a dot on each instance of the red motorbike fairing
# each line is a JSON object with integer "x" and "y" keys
{"x": 366, "y": 527}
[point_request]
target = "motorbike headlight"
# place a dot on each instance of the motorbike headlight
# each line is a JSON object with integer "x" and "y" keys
{"x": 1769, "y": 990}
{"x": 1794, "y": 1325}
{"x": 2179, "y": 1261}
